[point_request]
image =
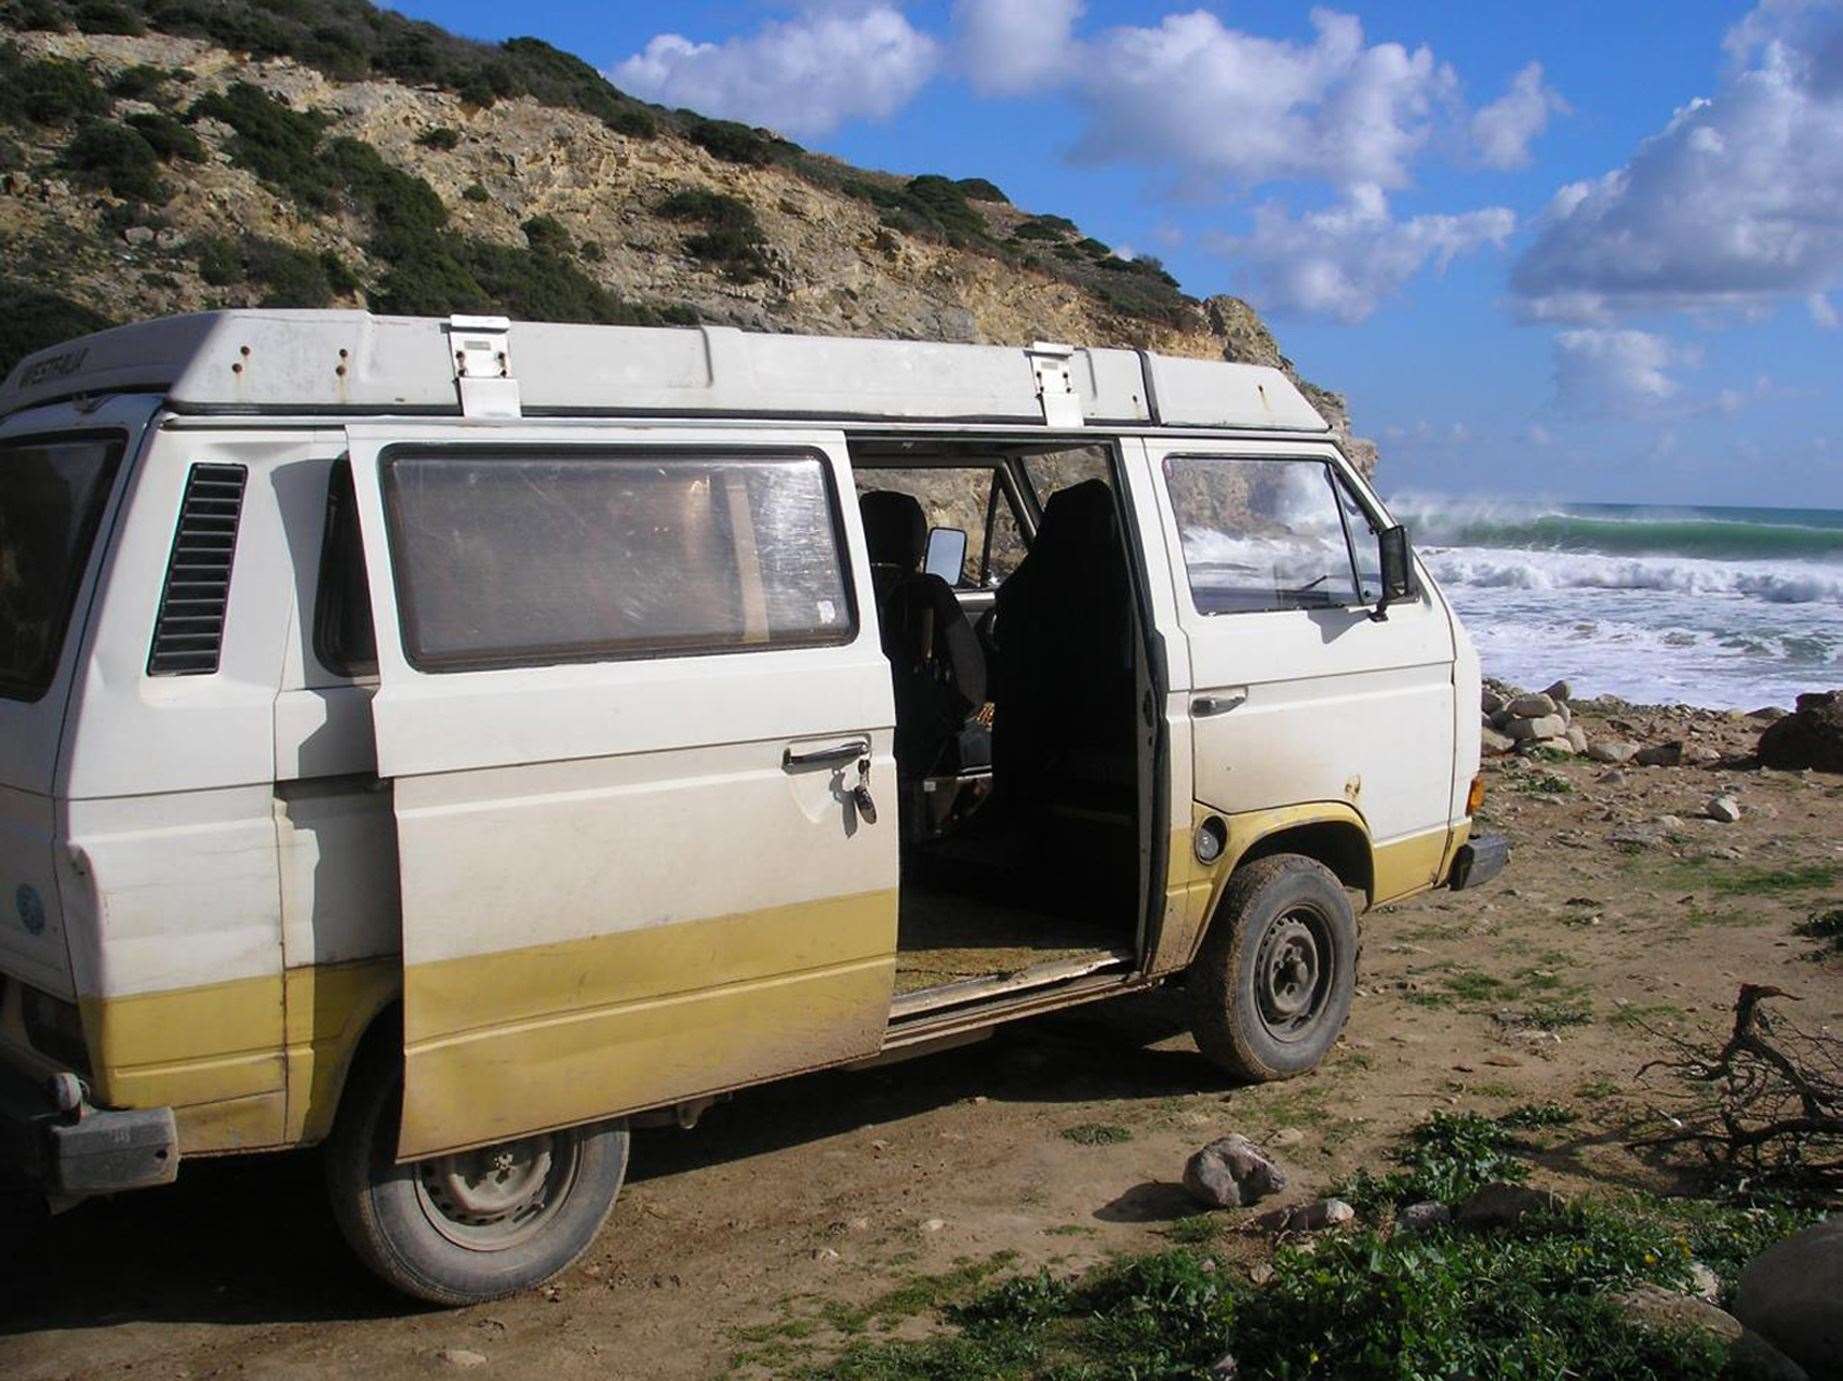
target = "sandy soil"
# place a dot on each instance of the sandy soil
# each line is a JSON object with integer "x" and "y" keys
{"x": 732, "y": 1240}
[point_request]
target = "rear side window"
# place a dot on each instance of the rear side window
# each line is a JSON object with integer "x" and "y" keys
{"x": 525, "y": 559}
{"x": 52, "y": 493}
{"x": 344, "y": 639}
{"x": 1261, "y": 534}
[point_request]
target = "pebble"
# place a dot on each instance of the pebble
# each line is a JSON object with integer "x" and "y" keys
{"x": 461, "y": 1357}
{"x": 1723, "y": 808}
{"x": 933, "y": 1225}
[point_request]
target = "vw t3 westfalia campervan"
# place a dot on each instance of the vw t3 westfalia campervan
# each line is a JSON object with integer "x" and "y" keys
{"x": 449, "y": 741}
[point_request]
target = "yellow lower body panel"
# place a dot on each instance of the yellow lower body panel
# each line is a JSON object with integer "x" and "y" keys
{"x": 501, "y": 1045}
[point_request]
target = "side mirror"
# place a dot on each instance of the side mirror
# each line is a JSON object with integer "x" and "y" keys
{"x": 1397, "y": 560}
{"x": 946, "y": 554}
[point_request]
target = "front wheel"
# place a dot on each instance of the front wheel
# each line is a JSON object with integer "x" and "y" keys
{"x": 472, "y": 1225}
{"x": 1271, "y": 988}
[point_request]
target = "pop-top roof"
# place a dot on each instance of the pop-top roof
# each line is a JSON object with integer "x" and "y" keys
{"x": 354, "y": 363}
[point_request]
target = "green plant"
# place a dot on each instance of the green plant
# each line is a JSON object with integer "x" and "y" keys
{"x": 980, "y": 189}
{"x": 732, "y": 237}
{"x": 732, "y": 142}
{"x": 1444, "y": 1159}
{"x": 476, "y": 192}
{"x": 1823, "y": 925}
{"x": 47, "y": 91}
{"x": 108, "y": 17}
{"x": 32, "y": 318}
{"x": 546, "y": 235}
{"x": 1045, "y": 228}
{"x": 140, "y": 82}
{"x": 1534, "y": 1115}
{"x": 277, "y": 143}
{"x": 105, "y": 154}
{"x": 1097, "y": 1134}
{"x": 442, "y": 137}
{"x": 167, "y": 137}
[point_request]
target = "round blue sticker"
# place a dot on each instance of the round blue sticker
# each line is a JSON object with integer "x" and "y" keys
{"x": 31, "y": 908}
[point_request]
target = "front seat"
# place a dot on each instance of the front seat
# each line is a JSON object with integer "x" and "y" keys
{"x": 1063, "y": 733}
{"x": 939, "y": 670}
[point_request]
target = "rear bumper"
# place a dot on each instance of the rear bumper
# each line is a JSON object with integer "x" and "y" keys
{"x": 88, "y": 1151}
{"x": 1479, "y": 860}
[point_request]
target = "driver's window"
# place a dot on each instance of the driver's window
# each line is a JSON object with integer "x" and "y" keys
{"x": 969, "y": 498}
{"x": 1262, "y": 534}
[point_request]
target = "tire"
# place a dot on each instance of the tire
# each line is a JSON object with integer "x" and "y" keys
{"x": 460, "y": 1229}
{"x": 1270, "y": 990}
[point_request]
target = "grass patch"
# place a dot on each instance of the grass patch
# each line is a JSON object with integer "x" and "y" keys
{"x": 1444, "y": 1159}
{"x": 1553, "y": 1016}
{"x": 1638, "y": 1014}
{"x": 917, "y": 1295}
{"x": 1199, "y": 1229}
{"x": 1531, "y": 1116}
{"x": 1729, "y": 881}
{"x": 1097, "y": 1134}
{"x": 1824, "y": 926}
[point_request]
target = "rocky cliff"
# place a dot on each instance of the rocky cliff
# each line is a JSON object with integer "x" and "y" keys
{"x": 166, "y": 157}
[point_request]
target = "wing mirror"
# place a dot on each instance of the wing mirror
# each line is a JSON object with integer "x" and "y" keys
{"x": 946, "y": 555}
{"x": 1397, "y": 560}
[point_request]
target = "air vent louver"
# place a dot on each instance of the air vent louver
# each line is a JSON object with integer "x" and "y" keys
{"x": 189, "y": 634}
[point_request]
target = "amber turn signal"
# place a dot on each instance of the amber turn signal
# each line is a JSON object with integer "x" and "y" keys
{"x": 1476, "y": 796}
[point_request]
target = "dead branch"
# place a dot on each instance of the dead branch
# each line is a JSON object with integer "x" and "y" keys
{"x": 1768, "y": 1103}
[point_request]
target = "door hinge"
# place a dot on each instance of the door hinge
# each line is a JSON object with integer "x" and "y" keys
{"x": 479, "y": 348}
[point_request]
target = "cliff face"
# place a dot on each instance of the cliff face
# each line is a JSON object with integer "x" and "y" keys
{"x": 271, "y": 181}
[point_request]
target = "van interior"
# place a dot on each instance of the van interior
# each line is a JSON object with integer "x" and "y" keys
{"x": 1012, "y": 625}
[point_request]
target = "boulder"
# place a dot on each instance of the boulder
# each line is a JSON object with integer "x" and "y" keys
{"x": 139, "y": 234}
{"x": 1559, "y": 692}
{"x": 1752, "y": 1358}
{"x": 1531, "y": 706}
{"x": 1494, "y": 744}
{"x": 1312, "y": 1217}
{"x": 1538, "y": 726}
{"x": 1490, "y": 701}
{"x": 1811, "y": 736}
{"x": 1700, "y": 754}
{"x": 1791, "y": 1294}
{"x": 1655, "y": 1307}
{"x": 1612, "y": 750}
{"x": 1566, "y": 715}
{"x": 1232, "y": 1172}
{"x": 1723, "y": 808}
{"x": 1577, "y": 738}
{"x": 1559, "y": 744}
{"x": 1421, "y": 1217}
{"x": 1498, "y": 1205}
{"x": 1660, "y": 754}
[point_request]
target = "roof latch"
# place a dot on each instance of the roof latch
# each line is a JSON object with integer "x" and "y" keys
{"x": 480, "y": 350}
{"x": 1056, "y": 383}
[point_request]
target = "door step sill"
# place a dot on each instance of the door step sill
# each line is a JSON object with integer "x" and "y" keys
{"x": 967, "y": 991}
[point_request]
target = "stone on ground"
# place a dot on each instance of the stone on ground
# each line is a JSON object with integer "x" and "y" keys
{"x": 1312, "y": 1217}
{"x": 1232, "y": 1172}
{"x": 1538, "y": 726}
{"x": 1494, "y": 744}
{"x": 1421, "y": 1217}
{"x": 1811, "y": 736}
{"x": 1531, "y": 706}
{"x": 1498, "y": 1205}
{"x": 1660, "y": 754}
{"x": 1559, "y": 692}
{"x": 1656, "y": 1307}
{"x": 1723, "y": 808}
{"x": 1612, "y": 750}
{"x": 1791, "y": 1294}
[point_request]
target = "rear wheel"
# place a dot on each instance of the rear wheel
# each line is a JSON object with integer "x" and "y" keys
{"x": 473, "y": 1225}
{"x": 1271, "y": 988}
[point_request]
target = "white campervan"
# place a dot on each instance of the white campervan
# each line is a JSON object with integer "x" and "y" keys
{"x": 451, "y": 741}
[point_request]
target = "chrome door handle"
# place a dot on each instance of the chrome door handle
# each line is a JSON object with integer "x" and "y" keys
{"x": 824, "y": 757}
{"x": 1206, "y": 705}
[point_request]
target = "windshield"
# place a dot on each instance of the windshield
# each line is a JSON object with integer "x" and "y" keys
{"x": 52, "y": 492}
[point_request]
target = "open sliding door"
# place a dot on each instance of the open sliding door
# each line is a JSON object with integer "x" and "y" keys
{"x": 627, "y": 696}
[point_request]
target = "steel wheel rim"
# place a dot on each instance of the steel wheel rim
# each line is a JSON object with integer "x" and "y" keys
{"x": 1293, "y": 972}
{"x": 497, "y": 1197}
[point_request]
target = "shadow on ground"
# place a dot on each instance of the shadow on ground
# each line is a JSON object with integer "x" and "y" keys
{"x": 251, "y": 1241}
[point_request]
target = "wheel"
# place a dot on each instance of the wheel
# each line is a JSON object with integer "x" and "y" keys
{"x": 1271, "y": 988}
{"x": 470, "y": 1226}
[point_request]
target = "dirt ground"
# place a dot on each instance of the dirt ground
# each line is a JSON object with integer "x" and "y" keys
{"x": 749, "y": 1243}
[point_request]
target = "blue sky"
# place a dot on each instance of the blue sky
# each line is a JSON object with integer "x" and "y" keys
{"x": 1615, "y": 275}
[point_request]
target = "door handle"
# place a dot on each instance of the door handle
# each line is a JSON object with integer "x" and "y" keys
{"x": 1206, "y": 705}
{"x": 824, "y": 757}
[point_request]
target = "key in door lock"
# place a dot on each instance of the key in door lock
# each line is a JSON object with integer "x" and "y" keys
{"x": 860, "y": 794}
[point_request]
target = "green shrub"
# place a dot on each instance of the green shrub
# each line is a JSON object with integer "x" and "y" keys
{"x": 105, "y": 154}
{"x": 732, "y": 142}
{"x": 11, "y": 155}
{"x": 442, "y": 137}
{"x": 476, "y": 191}
{"x": 1045, "y": 228}
{"x": 546, "y": 235}
{"x": 140, "y": 82}
{"x": 979, "y": 189}
{"x": 288, "y": 277}
{"x": 339, "y": 274}
{"x": 218, "y": 260}
{"x": 1444, "y": 1159}
{"x": 47, "y": 91}
{"x": 32, "y": 318}
{"x": 47, "y": 16}
{"x": 108, "y": 17}
{"x": 1094, "y": 248}
{"x": 591, "y": 250}
{"x": 633, "y": 122}
{"x": 273, "y": 140}
{"x": 942, "y": 202}
{"x": 168, "y": 138}
{"x": 732, "y": 238}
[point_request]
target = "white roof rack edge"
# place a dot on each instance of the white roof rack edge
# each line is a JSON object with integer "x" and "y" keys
{"x": 354, "y": 363}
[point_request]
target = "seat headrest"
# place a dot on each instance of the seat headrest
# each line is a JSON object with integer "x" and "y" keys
{"x": 1080, "y": 516}
{"x": 895, "y": 528}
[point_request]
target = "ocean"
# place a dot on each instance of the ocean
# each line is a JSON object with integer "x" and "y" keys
{"x": 1731, "y": 608}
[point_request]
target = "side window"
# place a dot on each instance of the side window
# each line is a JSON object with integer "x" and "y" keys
{"x": 531, "y": 558}
{"x": 1050, "y": 471}
{"x": 1261, "y": 534}
{"x": 966, "y": 497}
{"x": 1364, "y": 549}
{"x": 344, "y": 640}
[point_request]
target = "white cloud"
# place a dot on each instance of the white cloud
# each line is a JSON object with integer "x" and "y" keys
{"x": 1823, "y": 310}
{"x": 1218, "y": 104}
{"x": 1615, "y": 372}
{"x": 1503, "y": 131}
{"x": 1344, "y": 262}
{"x": 801, "y": 76}
{"x": 1737, "y": 203}
{"x": 1013, "y": 47}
